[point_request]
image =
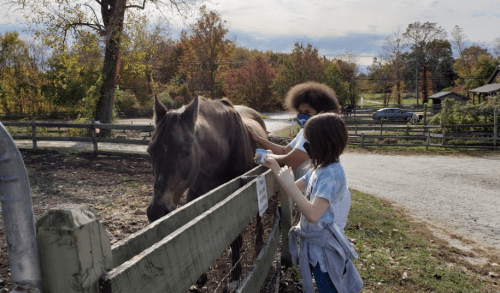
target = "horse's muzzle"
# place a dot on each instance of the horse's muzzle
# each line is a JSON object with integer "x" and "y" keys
{"x": 158, "y": 211}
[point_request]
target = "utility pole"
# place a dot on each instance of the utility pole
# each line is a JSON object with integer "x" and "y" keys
{"x": 416, "y": 80}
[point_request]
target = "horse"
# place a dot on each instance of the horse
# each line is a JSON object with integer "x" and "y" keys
{"x": 347, "y": 110}
{"x": 199, "y": 147}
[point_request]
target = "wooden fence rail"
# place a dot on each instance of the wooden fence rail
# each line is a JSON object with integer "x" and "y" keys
{"x": 357, "y": 133}
{"x": 168, "y": 255}
{"x": 93, "y": 127}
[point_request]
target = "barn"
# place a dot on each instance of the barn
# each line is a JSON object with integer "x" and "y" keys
{"x": 490, "y": 89}
{"x": 438, "y": 98}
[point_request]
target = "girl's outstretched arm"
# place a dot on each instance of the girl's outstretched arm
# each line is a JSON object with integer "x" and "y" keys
{"x": 311, "y": 210}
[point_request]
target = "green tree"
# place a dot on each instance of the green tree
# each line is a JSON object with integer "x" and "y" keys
{"x": 303, "y": 64}
{"x": 206, "y": 51}
{"x": 382, "y": 83}
{"x": 70, "y": 73}
{"x": 350, "y": 71}
{"x": 392, "y": 56}
{"x": 20, "y": 83}
{"x": 418, "y": 36}
{"x": 56, "y": 20}
{"x": 481, "y": 71}
{"x": 440, "y": 65}
{"x": 335, "y": 80}
{"x": 469, "y": 68}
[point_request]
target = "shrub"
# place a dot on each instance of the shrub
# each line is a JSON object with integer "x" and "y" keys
{"x": 457, "y": 113}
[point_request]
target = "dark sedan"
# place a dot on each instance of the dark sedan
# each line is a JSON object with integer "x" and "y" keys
{"x": 394, "y": 114}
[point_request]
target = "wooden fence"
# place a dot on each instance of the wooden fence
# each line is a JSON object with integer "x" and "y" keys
{"x": 168, "y": 255}
{"x": 469, "y": 135}
{"x": 93, "y": 128}
{"x": 376, "y": 134}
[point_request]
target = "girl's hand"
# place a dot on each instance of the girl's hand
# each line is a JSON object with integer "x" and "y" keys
{"x": 286, "y": 175}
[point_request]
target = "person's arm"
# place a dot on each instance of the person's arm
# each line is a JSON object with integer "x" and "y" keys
{"x": 293, "y": 159}
{"x": 266, "y": 144}
{"x": 311, "y": 210}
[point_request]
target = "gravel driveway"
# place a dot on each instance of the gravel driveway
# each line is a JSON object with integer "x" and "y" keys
{"x": 461, "y": 194}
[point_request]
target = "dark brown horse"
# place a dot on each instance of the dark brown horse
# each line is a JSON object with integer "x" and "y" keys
{"x": 199, "y": 147}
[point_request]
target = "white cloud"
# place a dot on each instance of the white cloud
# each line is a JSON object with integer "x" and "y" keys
{"x": 330, "y": 18}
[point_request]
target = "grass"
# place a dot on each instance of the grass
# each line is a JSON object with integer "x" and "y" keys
{"x": 378, "y": 98}
{"x": 397, "y": 254}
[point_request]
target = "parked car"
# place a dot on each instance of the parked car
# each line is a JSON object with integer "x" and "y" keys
{"x": 394, "y": 114}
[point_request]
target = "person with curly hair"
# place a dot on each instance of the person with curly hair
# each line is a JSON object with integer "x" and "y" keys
{"x": 307, "y": 100}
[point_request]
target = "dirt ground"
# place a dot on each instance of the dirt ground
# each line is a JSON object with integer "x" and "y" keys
{"x": 118, "y": 187}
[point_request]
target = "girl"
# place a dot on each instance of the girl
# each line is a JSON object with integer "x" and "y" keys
{"x": 324, "y": 207}
{"x": 307, "y": 99}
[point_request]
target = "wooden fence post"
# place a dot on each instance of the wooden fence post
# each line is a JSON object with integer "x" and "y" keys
{"x": 75, "y": 250}
{"x": 425, "y": 113}
{"x": 286, "y": 224}
{"x": 428, "y": 141}
{"x": 33, "y": 133}
{"x": 94, "y": 137}
{"x": 495, "y": 127}
{"x": 443, "y": 122}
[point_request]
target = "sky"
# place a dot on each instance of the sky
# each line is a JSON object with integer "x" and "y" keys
{"x": 338, "y": 26}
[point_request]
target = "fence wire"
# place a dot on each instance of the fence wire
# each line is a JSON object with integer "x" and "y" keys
{"x": 221, "y": 276}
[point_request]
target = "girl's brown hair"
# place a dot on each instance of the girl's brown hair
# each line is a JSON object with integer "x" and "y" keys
{"x": 320, "y": 97}
{"x": 327, "y": 136}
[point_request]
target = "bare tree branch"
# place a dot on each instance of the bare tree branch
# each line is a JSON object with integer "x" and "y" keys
{"x": 137, "y": 6}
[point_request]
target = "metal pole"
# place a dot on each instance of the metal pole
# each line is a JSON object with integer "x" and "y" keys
{"x": 33, "y": 133}
{"x": 18, "y": 218}
{"x": 495, "y": 127}
{"x": 416, "y": 80}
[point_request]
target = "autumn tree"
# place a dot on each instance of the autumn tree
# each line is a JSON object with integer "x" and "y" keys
{"x": 418, "y": 36}
{"x": 350, "y": 70}
{"x": 139, "y": 60}
{"x": 472, "y": 65}
{"x": 380, "y": 74}
{"x": 496, "y": 48}
{"x": 392, "y": 56}
{"x": 440, "y": 65}
{"x": 205, "y": 51}
{"x": 303, "y": 64}
{"x": 335, "y": 80}
{"x": 57, "y": 21}
{"x": 20, "y": 82}
{"x": 71, "y": 72}
{"x": 250, "y": 84}
{"x": 481, "y": 71}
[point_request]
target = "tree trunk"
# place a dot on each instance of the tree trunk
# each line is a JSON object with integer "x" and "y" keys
{"x": 113, "y": 14}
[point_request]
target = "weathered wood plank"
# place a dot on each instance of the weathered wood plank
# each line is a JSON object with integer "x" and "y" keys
{"x": 135, "y": 243}
{"x": 82, "y": 125}
{"x": 176, "y": 262}
{"x": 258, "y": 272}
{"x": 63, "y": 138}
{"x": 123, "y": 140}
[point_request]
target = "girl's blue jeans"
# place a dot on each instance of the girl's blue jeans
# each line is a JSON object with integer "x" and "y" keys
{"x": 323, "y": 281}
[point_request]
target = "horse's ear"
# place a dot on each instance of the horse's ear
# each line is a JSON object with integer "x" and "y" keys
{"x": 159, "y": 110}
{"x": 190, "y": 114}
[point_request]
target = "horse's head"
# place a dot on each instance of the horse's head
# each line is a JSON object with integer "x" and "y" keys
{"x": 174, "y": 155}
